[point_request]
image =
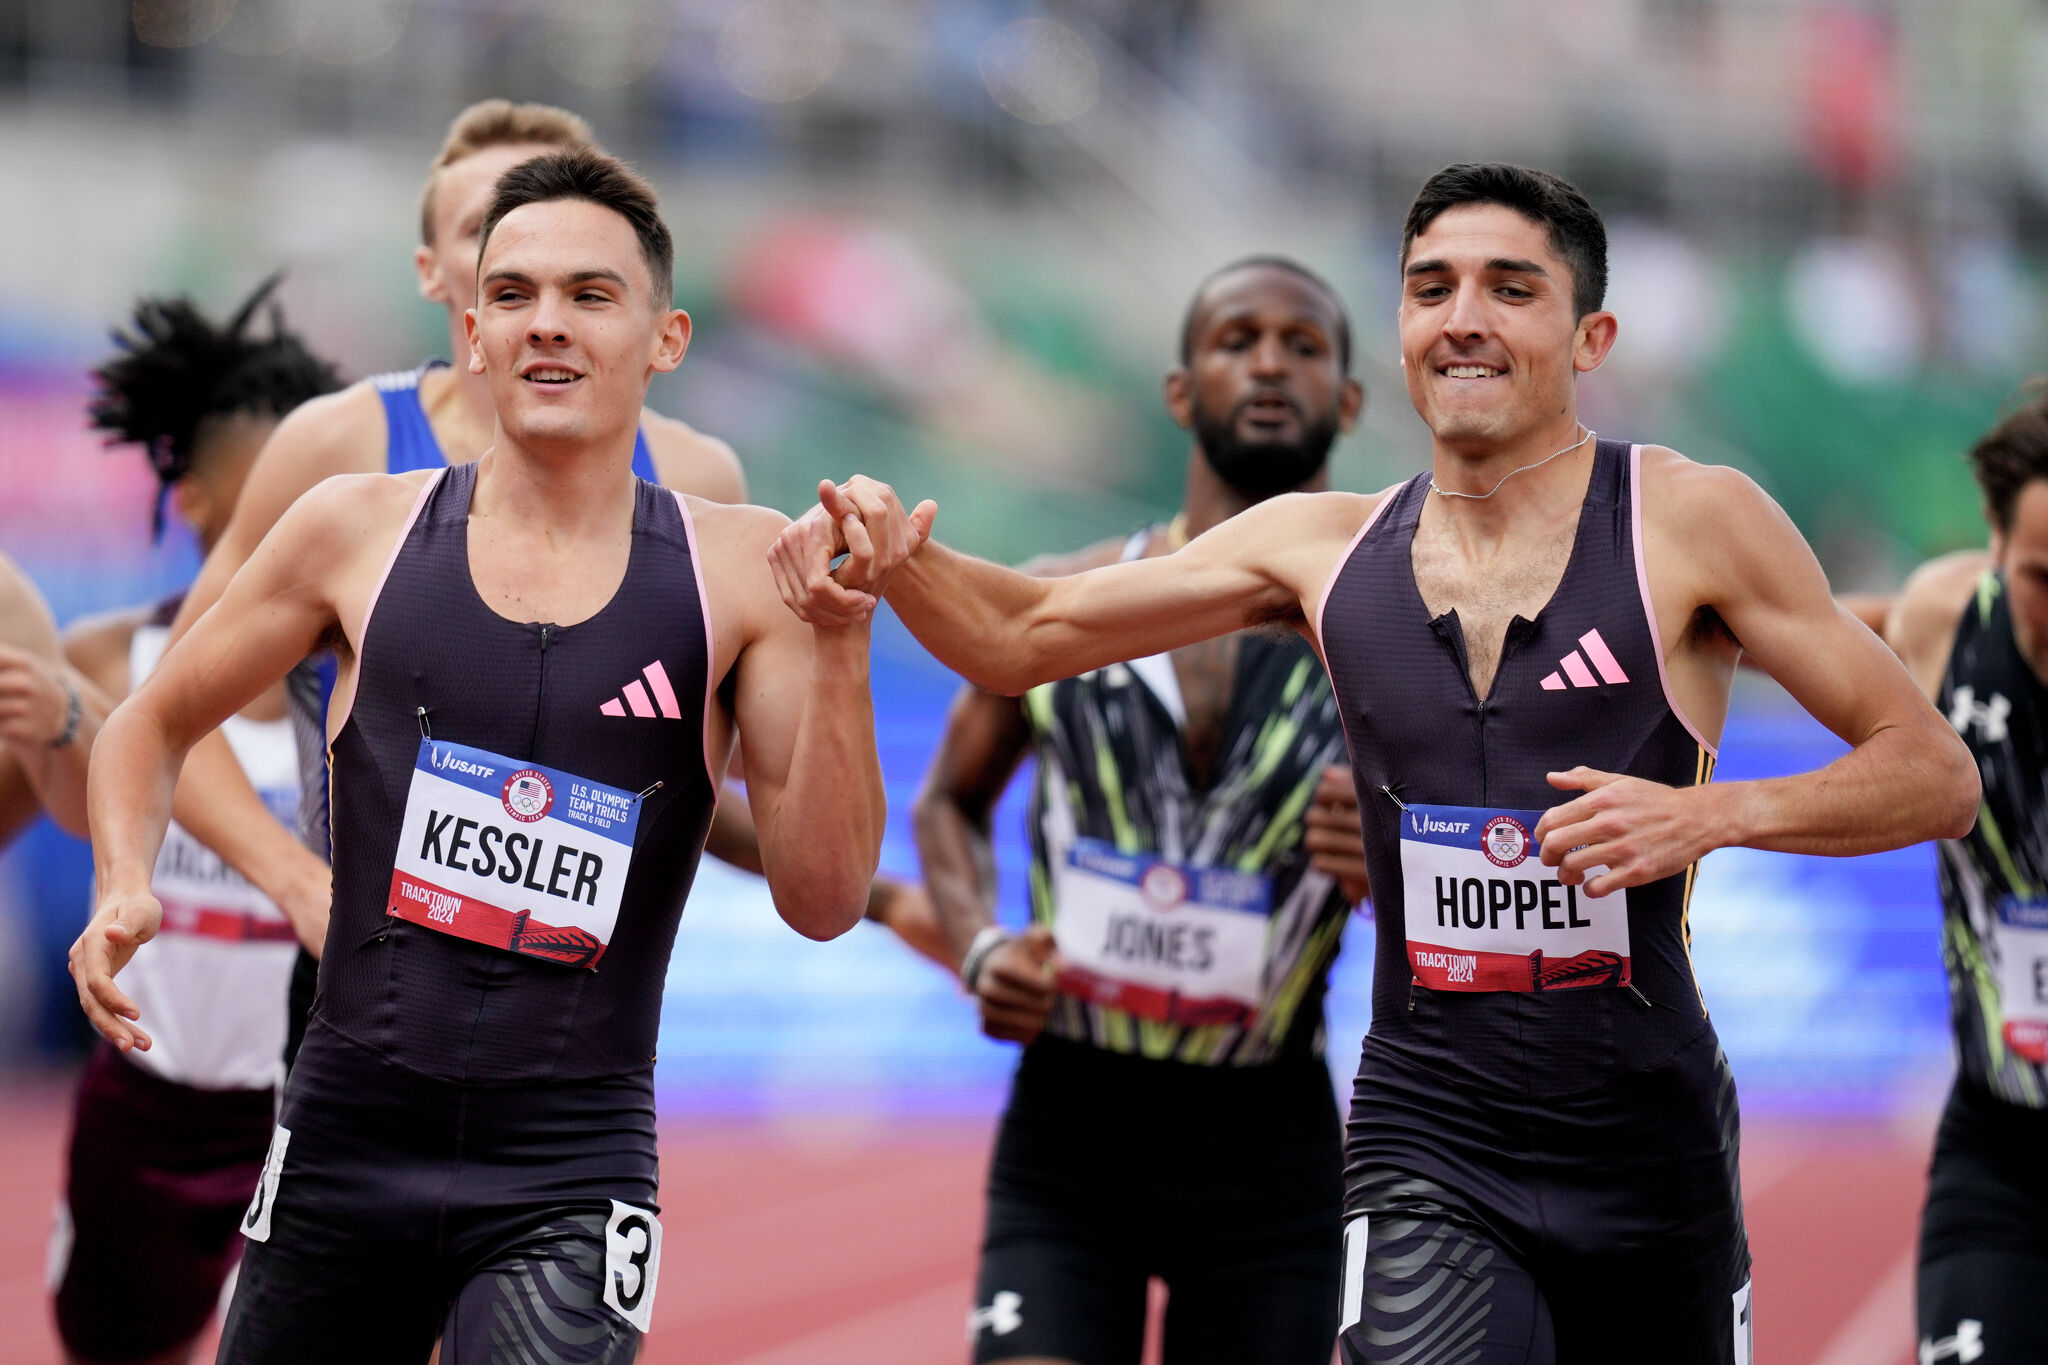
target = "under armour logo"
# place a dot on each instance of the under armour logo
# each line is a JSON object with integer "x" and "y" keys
{"x": 1000, "y": 1317}
{"x": 1965, "y": 1346}
{"x": 1989, "y": 718}
{"x": 1574, "y": 666}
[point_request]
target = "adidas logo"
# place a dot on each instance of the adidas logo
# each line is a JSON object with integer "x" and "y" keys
{"x": 635, "y": 696}
{"x": 1573, "y": 666}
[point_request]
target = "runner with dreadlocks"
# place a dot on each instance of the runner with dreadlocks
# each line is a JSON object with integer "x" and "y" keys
{"x": 167, "y": 1145}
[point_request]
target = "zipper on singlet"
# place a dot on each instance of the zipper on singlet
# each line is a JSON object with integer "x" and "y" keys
{"x": 540, "y": 692}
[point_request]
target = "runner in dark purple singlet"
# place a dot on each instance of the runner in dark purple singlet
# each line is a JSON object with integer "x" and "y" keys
{"x": 539, "y": 688}
{"x": 1531, "y": 644}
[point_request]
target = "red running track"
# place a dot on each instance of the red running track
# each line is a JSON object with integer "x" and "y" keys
{"x": 789, "y": 1242}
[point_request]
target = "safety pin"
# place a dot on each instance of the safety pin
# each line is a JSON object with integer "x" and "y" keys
{"x": 1383, "y": 787}
{"x": 425, "y": 733}
{"x": 649, "y": 792}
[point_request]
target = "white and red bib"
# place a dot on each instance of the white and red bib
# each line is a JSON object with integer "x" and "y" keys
{"x": 1158, "y": 939}
{"x": 512, "y": 854}
{"x": 1485, "y": 914}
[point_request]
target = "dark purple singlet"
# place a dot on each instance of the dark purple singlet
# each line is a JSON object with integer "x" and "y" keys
{"x": 1569, "y": 1123}
{"x": 463, "y": 1118}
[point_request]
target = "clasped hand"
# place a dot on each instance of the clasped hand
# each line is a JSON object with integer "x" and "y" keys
{"x": 862, "y": 520}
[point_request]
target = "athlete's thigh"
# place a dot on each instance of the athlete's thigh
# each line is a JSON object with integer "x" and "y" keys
{"x": 159, "y": 1177}
{"x": 1282, "y": 1312}
{"x": 1425, "y": 1285}
{"x": 1054, "y": 1290}
{"x": 301, "y": 1305}
{"x": 541, "y": 1297}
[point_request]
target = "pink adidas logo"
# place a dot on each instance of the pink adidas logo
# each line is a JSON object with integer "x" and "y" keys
{"x": 643, "y": 705}
{"x": 1574, "y": 666}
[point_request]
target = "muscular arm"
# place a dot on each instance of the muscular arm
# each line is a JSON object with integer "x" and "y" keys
{"x": 1007, "y": 631}
{"x": 985, "y": 739}
{"x": 336, "y": 434}
{"x": 1716, "y": 541}
{"x": 289, "y": 600}
{"x": 800, "y": 702}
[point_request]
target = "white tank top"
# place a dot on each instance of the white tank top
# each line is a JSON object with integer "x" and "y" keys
{"x": 212, "y": 985}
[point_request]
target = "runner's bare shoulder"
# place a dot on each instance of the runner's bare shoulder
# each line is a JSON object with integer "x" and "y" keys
{"x": 97, "y": 646}
{"x": 1921, "y": 626}
{"x": 691, "y": 462}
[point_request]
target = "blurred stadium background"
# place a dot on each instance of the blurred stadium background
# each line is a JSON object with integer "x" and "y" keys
{"x": 947, "y": 242}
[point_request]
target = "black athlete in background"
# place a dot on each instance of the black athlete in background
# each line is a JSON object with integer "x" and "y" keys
{"x": 1199, "y": 1014}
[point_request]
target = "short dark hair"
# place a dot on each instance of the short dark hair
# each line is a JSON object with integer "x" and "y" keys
{"x": 1577, "y": 236}
{"x": 1292, "y": 267}
{"x": 597, "y": 178}
{"x": 177, "y": 368}
{"x": 2013, "y": 454}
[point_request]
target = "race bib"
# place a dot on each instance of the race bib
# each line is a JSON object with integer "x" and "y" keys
{"x": 632, "y": 1261}
{"x": 512, "y": 854}
{"x": 1153, "y": 938}
{"x": 1485, "y": 914}
{"x": 2023, "y": 976}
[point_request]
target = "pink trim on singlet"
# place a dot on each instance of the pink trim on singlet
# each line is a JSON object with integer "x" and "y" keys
{"x": 337, "y": 716}
{"x": 1635, "y": 513}
{"x": 710, "y": 644}
{"x": 1323, "y": 602}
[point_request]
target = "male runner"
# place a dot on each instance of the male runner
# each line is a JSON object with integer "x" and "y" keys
{"x": 1541, "y": 1162}
{"x": 543, "y": 663}
{"x": 1200, "y": 768}
{"x": 166, "y": 1145}
{"x": 427, "y": 418}
{"x": 1973, "y": 630}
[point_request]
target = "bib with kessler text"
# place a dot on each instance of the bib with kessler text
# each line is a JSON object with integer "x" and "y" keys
{"x": 512, "y": 854}
{"x": 1485, "y": 914}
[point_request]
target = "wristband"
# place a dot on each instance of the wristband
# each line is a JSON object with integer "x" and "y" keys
{"x": 74, "y": 712}
{"x": 991, "y": 937}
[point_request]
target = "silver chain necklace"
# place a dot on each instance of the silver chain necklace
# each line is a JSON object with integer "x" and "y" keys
{"x": 1476, "y": 497}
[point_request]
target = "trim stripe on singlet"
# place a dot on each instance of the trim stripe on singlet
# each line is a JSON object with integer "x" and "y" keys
{"x": 710, "y": 642}
{"x": 1635, "y": 513}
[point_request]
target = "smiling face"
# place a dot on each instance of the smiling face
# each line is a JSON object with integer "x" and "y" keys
{"x": 462, "y": 195}
{"x": 1490, "y": 343}
{"x": 1264, "y": 388}
{"x": 568, "y": 327}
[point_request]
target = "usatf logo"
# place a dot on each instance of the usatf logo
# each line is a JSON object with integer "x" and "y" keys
{"x": 528, "y": 796}
{"x": 1504, "y": 841}
{"x": 446, "y": 758}
{"x": 1573, "y": 666}
{"x": 1429, "y": 824}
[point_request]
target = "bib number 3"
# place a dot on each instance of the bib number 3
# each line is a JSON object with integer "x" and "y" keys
{"x": 632, "y": 1261}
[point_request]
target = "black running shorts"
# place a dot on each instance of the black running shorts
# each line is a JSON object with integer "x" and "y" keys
{"x": 1984, "y": 1235}
{"x": 159, "y": 1176}
{"x": 1600, "y": 1226}
{"x": 1225, "y": 1182}
{"x": 514, "y": 1222}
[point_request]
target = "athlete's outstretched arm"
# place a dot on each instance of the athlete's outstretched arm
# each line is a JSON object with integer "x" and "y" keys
{"x": 1716, "y": 541}
{"x": 800, "y": 703}
{"x": 282, "y": 606}
{"x": 1007, "y": 631}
